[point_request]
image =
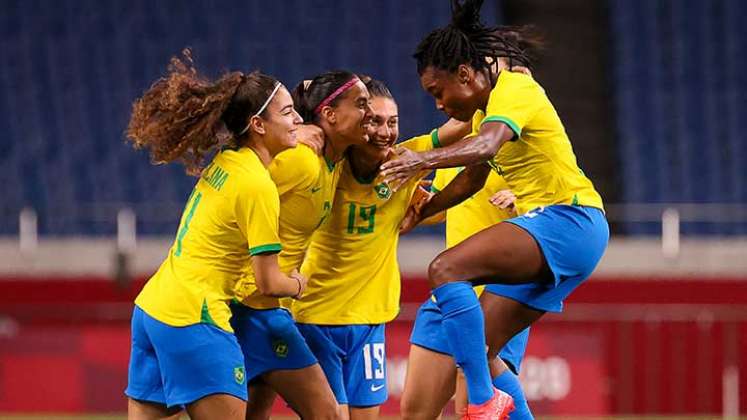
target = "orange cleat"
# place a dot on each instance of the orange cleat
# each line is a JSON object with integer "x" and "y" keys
{"x": 496, "y": 408}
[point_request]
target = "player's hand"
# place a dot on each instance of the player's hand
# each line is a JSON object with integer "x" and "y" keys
{"x": 312, "y": 136}
{"x": 504, "y": 200}
{"x": 421, "y": 195}
{"x": 301, "y": 283}
{"x": 402, "y": 168}
{"x": 411, "y": 219}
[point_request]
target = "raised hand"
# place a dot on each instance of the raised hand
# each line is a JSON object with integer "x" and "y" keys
{"x": 398, "y": 171}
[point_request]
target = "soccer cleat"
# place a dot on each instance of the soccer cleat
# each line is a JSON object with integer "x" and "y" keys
{"x": 496, "y": 408}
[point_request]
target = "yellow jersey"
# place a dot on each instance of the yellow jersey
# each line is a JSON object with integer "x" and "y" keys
{"x": 538, "y": 164}
{"x": 231, "y": 215}
{"x": 352, "y": 260}
{"x": 306, "y": 183}
{"x": 475, "y": 213}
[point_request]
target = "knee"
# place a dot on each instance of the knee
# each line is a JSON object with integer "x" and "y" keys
{"x": 440, "y": 272}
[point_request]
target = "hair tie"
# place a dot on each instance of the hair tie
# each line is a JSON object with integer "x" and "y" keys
{"x": 267, "y": 102}
{"x": 335, "y": 94}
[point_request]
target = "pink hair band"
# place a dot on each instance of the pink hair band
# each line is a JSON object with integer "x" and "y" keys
{"x": 335, "y": 94}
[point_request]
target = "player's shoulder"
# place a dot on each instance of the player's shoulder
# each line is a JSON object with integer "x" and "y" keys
{"x": 420, "y": 143}
{"x": 513, "y": 81}
{"x": 299, "y": 161}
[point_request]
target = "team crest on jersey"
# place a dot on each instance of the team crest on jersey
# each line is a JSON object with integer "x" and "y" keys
{"x": 280, "y": 348}
{"x": 383, "y": 191}
{"x": 239, "y": 375}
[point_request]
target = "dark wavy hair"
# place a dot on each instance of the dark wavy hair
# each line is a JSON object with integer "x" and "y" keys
{"x": 467, "y": 41}
{"x": 184, "y": 116}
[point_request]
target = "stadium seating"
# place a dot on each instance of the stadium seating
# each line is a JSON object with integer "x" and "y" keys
{"x": 680, "y": 93}
{"x": 70, "y": 71}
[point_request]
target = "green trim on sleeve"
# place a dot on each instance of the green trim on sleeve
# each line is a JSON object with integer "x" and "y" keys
{"x": 265, "y": 249}
{"x": 434, "y": 138}
{"x": 434, "y": 190}
{"x": 505, "y": 120}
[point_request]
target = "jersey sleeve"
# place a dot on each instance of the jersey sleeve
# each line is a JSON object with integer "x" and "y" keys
{"x": 422, "y": 143}
{"x": 514, "y": 101}
{"x": 294, "y": 169}
{"x": 257, "y": 212}
{"x": 439, "y": 181}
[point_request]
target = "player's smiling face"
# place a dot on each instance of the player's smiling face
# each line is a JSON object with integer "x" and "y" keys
{"x": 352, "y": 114}
{"x": 454, "y": 92}
{"x": 384, "y": 128}
{"x": 281, "y": 122}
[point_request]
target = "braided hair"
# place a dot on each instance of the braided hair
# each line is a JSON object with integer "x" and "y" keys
{"x": 467, "y": 41}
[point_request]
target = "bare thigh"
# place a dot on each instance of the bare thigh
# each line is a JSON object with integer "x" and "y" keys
{"x": 217, "y": 407}
{"x": 503, "y": 253}
{"x": 261, "y": 400}
{"x": 429, "y": 384}
{"x": 306, "y": 391}
{"x": 364, "y": 413}
{"x": 144, "y": 410}
{"x": 504, "y": 318}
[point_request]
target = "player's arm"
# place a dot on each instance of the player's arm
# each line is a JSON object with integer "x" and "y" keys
{"x": 463, "y": 186}
{"x": 452, "y": 131}
{"x": 272, "y": 282}
{"x": 423, "y": 193}
{"x": 465, "y": 152}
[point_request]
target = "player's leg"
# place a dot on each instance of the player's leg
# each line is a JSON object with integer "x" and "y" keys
{"x": 364, "y": 413}
{"x": 306, "y": 391}
{"x": 503, "y": 250}
{"x": 506, "y": 321}
{"x": 504, "y": 370}
{"x": 429, "y": 384}
{"x": 260, "y": 402}
{"x": 145, "y": 410}
{"x": 276, "y": 352}
{"x": 217, "y": 407}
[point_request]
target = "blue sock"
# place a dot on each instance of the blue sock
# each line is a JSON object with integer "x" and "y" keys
{"x": 464, "y": 326}
{"x": 509, "y": 383}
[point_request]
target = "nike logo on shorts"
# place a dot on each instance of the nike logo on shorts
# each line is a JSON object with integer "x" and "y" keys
{"x": 375, "y": 388}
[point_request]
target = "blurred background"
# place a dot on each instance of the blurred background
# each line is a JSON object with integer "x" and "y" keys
{"x": 653, "y": 94}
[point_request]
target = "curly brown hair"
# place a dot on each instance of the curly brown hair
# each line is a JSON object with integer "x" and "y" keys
{"x": 184, "y": 116}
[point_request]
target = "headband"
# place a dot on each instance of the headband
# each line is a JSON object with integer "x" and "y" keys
{"x": 335, "y": 94}
{"x": 267, "y": 102}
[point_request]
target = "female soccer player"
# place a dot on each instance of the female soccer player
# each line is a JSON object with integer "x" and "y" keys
{"x": 352, "y": 261}
{"x": 533, "y": 261}
{"x": 431, "y": 372}
{"x": 184, "y": 352}
{"x": 277, "y": 356}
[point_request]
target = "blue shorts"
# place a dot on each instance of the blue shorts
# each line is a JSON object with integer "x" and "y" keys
{"x": 427, "y": 333}
{"x": 270, "y": 340}
{"x": 572, "y": 239}
{"x": 179, "y": 365}
{"x": 353, "y": 358}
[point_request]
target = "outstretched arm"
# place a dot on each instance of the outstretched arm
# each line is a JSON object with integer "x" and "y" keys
{"x": 465, "y": 152}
